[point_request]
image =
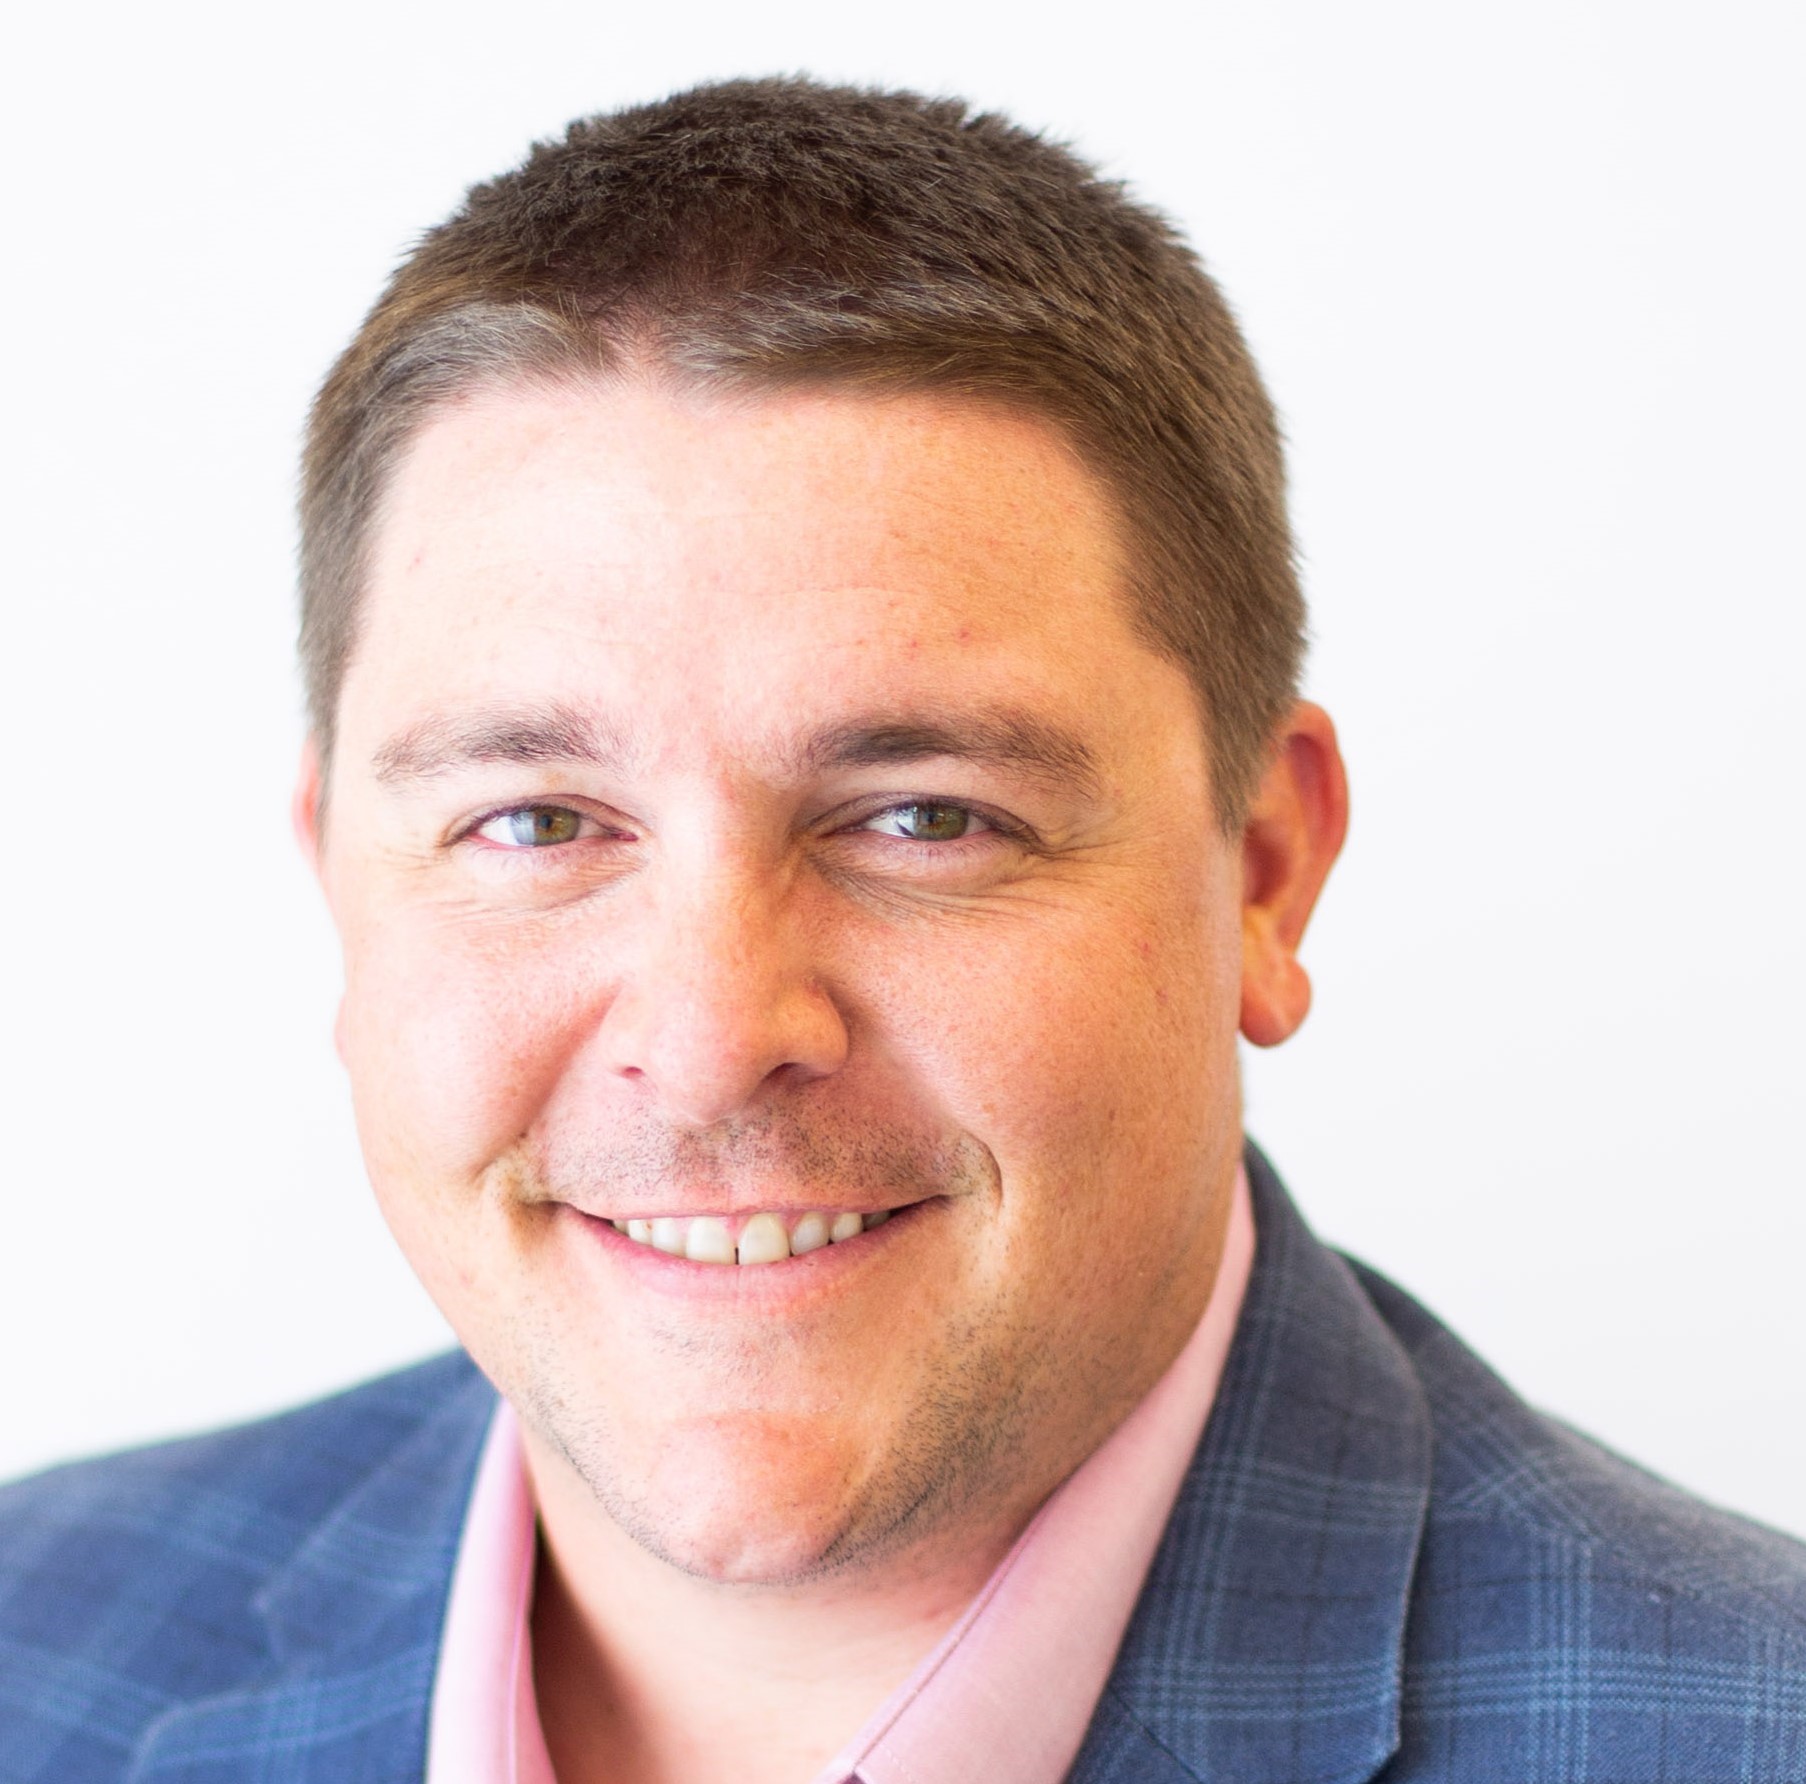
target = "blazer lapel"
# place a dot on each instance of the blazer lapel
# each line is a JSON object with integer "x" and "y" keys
{"x": 353, "y": 1621}
{"x": 1268, "y": 1642}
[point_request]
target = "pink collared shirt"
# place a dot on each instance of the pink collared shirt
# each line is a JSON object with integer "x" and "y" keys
{"x": 982, "y": 1704}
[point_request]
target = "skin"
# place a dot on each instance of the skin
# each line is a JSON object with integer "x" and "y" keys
{"x": 769, "y": 658}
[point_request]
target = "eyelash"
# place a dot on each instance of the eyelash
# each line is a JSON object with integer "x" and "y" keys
{"x": 471, "y": 832}
{"x": 994, "y": 824}
{"x": 991, "y": 825}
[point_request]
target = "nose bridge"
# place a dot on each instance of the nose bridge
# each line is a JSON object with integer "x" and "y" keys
{"x": 721, "y": 990}
{"x": 725, "y": 932}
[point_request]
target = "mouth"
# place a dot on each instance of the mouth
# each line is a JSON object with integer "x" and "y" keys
{"x": 765, "y": 1236}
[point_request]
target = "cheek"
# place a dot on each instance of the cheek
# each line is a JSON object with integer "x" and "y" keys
{"x": 452, "y": 1038}
{"x": 1095, "y": 1059}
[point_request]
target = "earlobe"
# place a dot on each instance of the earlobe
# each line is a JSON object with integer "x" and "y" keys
{"x": 1293, "y": 833}
{"x": 1276, "y": 998}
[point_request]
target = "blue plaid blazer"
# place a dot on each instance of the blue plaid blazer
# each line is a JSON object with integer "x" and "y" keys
{"x": 1382, "y": 1566}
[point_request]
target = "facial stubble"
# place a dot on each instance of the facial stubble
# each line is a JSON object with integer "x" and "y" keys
{"x": 957, "y": 1454}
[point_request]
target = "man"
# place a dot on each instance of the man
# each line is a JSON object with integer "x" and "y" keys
{"x": 806, "y": 767}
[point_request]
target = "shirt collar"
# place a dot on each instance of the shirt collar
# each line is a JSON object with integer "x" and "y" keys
{"x": 485, "y": 1723}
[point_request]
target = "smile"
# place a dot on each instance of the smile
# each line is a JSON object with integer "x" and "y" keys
{"x": 763, "y": 1238}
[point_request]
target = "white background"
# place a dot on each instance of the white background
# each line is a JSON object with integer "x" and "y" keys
{"x": 1525, "y": 281}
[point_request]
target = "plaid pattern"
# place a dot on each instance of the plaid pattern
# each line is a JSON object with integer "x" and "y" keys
{"x": 1382, "y": 1566}
{"x": 258, "y": 1606}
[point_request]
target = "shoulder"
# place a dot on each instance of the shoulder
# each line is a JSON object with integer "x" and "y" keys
{"x": 130, "y": 1582}
{"x": 1577, "y": 1609}
{"x": 246, "y": 1495}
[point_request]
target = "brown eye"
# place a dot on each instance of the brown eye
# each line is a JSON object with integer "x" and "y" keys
{"x": 925, "y": 822}
{"x": 533, "y": 826}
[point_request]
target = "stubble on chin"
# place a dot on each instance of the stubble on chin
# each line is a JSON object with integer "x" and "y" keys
{"x": 771, "y": 1506}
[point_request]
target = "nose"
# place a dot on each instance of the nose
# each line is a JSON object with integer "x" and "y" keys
{"x": 718, "y": 999}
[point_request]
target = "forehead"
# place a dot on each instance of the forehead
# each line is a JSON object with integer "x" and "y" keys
{"x": 669, "y": 554}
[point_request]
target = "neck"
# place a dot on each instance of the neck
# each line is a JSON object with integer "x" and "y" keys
{"x": 647, "y": 1675}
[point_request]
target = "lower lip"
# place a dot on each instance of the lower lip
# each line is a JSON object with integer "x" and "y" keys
{"x": 818, "y": 1271}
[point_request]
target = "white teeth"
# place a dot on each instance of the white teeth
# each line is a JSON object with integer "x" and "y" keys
{"x": 709, "y": 1241}
{"x": 809, "y": 1234}
{"x": 763, "y": 1240}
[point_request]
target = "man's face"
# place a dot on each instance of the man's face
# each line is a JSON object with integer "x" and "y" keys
{"x": 767, "y": 809}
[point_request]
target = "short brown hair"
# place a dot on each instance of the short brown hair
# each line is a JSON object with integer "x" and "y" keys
{"x": 777, "y": 233}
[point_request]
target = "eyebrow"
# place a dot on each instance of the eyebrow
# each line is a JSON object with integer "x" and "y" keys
{"x": 552, "y": 733}
{"x": 1004, "y": 737}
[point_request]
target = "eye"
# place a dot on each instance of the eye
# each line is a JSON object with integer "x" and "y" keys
{"x": 532, "y": 827}
{"x": 927, "y": 820}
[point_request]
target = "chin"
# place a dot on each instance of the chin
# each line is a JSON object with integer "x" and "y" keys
{"x": 748, "y": 1502}
{"x": 731, "y": 1552}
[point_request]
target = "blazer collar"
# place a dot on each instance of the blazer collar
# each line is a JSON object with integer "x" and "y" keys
{"x": 353, "y": 1621}
{"x": 1268, "y": 1643}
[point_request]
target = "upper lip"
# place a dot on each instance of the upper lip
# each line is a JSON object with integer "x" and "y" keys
{"x": 789, "y": 1208}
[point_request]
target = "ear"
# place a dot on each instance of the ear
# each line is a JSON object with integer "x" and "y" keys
{"x": 307, "y": 810}
{"x": 1293, "y": 834}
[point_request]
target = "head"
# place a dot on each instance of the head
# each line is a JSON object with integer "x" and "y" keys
{"x": 801, "y": 640}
